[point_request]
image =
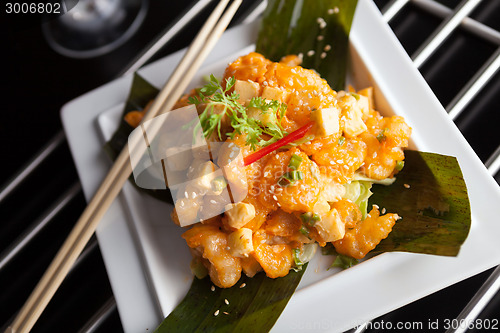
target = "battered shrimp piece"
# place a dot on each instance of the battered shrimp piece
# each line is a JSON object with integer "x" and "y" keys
{"x": 211, "y": 244}
{"x": 384, "y": 139}
{"x": 276, "y": 260}
{"x": 366, "y": 235}
{"x": 300, "y": 196}
{"x": 341, "y": 160}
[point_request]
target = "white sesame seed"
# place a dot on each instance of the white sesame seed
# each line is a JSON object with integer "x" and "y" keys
{"x": 213, "y": 201}
{"x": 293, "y": 71}
{"x": 332, "y": 162}
{"x": 323, "y": 55}
{"x": 320, "y": 37}
{"x": 212, "y": 288}
{"x": 340, "y": 161}
{"x": 327, "y": 47}
{"x": 243, "y": 285}
{"x": 330, "y": 11}
{"x": 310, "y": 53}
{"x": 368, "y": 215}
{"x": 226, "y": 301}
{"x": 216, "y": 313}
{"x": 336, "y": 10}
{"x": 290, "y": 82}
{"x": 406, "y": 185}
{"x": 301, "y": 56}
{"x": 383, "y": 210}
{"x": 275, "y": 197}
{"x": 226, "y": 313}
{"x": 319, "y": 20}
{"x": 374, "y": 154}
{"x": 346, "y": 167}
{"x": 186, "y": 194}
{"x": 265, "y": 83}
{"x": 322, "y": 25}
{"x": 375, "y": 206}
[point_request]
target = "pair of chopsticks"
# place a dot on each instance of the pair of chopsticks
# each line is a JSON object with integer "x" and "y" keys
{"x": 121, "y": 170}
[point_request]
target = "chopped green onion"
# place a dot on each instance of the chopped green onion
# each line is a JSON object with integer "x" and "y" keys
{"x": 296, "y": 175}
{"x": 284, "y": 181}
{"x": 289, "y": 178}
{"x": 304, "y": 231}
{"x": 296, "y": 258}
{"x": 295, "y": 161}
{"x": 399, "y": 165}
{"x": 341, "y": 140}
{"x": 218, "y": 184}
{"x": 356, "y": 96}
{"x": 310, "y": 219}
{"x": 381, "y": 135}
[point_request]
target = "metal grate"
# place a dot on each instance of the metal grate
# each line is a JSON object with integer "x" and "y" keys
{"x": 443, "y": 38}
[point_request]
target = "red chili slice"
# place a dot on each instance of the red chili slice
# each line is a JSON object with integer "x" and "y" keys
{"x": 294, "y": 136}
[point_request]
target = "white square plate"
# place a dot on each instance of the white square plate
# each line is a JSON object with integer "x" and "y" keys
{"x": 148, "y": 262}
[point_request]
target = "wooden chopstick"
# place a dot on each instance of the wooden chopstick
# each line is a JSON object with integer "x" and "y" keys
{"x": 120, "y": 171}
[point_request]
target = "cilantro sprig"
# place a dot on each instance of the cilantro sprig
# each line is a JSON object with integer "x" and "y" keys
{"x": 219, "y": 102}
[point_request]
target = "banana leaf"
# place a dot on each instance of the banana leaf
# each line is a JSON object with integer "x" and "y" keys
{"x": 431, "y": 197}
{"x": 141, "y": 92}
{"x": 319, "y": 30}
{"x": 253, "y": 308}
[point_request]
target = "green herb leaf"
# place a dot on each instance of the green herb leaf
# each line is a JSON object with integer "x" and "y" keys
{"x": 295, "y": 28}
{"x": 431, "y": 197}
{"x": 254, "y": 308}
{"x": 220, "y": 104}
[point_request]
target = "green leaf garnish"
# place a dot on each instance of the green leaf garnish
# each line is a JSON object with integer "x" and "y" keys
{"x": 359, "y": 192}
